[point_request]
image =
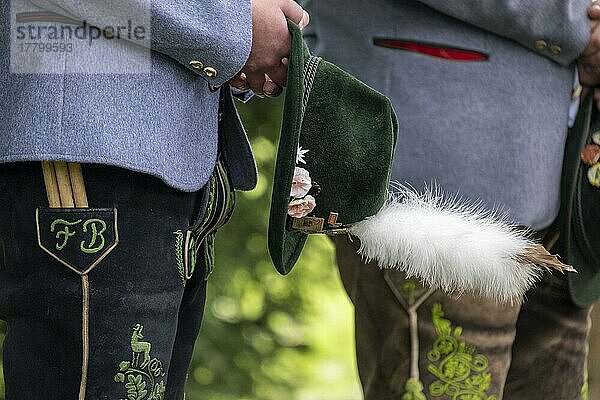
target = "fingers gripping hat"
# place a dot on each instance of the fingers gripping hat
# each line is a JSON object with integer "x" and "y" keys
{"x": 332, "y": 175}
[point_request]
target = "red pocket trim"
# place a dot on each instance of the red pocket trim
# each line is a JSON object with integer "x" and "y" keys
{"x": 433, "y": 50}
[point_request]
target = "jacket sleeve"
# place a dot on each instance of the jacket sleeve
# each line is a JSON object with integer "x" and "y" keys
{"x": 557, "y": 29}
{"x": 210, "y": 37}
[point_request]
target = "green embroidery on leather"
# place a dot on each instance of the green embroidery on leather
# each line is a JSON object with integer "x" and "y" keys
{"x": 139, "y": 376}
{"x": 179, "y": 254}
{"x": 66, "y": 232}
{"x": 89, "y": 249}
{"x": 409, "y": 288}
{"x": 192, "y": 254}
{"x": 585, "y": 387}
{"x": 209, "y": 254}
{"x": 461, "y": 373}
{"x": 211, "y": 198}
{"x": 414, "y": 390}
{"x": 90, "y": 224}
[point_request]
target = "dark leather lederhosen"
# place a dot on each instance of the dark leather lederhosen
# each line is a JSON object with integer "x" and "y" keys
{"x": 146, "y": 298}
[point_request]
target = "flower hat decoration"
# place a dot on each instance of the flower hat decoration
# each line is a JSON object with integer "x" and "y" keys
{"x": 302, "y": 202}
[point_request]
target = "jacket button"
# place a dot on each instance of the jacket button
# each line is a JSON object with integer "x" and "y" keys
{"x": 540, "y": 44}
{"x": 576, "y": 92}
{"x": 555, "y": 49}
{"x": 196, "y": 64}
{"x": 210, "y": 72}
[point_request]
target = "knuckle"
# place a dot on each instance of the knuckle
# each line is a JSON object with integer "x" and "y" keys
{"x": 272, "y": 62}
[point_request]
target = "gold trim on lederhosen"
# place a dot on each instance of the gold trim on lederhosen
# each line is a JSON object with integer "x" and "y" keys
{"x": 67, "y": 196}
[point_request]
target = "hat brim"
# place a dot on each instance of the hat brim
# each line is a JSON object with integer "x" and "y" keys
{"x": 286, "y": 245}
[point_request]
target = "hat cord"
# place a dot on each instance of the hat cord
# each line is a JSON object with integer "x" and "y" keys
{"x": 310, "y": 71}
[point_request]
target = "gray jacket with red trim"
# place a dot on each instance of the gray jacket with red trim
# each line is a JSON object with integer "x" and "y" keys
{"x": 482, "y": 90}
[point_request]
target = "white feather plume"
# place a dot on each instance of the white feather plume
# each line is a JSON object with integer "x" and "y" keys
{"x": 453, "y": 246}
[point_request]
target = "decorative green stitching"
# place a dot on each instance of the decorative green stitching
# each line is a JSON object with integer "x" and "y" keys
{"x": 136, "y": 388}
{"x": 66, "y": 232}
{"x": 585, "y": 387}
{"x": 179, "y": 254}
{"x": 192, "y": 254}
{"x": 409, "y": 288}
{"x": 209, "y": 255}
{"x": 138, "y": 376}
{"x": 414, "y": 390}
{"x": 462, "y": 374}
{"x": 140, "y": 347}
{"x": 211, "y": 198}
{"x": 95, "y": 234}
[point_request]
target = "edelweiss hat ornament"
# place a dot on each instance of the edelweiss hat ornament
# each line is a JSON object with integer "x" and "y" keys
{"x": 332, "y": 176}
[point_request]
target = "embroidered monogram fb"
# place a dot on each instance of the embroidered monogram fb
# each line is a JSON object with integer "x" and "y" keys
{"x": 461, "y": 373}
{"x": 142, "y": 376}
{"x": 78, "y": 238}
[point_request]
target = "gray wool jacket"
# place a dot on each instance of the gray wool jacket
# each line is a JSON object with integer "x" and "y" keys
{"x": 481, "y": 88}
{"x": 136, "y": 87}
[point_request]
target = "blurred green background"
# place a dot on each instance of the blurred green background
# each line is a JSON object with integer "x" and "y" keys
{"x": 268, "y": 337}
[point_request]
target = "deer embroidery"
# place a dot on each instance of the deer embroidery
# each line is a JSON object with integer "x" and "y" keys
{"x": 145, "y": 380}
{"x": 138, "y": 347}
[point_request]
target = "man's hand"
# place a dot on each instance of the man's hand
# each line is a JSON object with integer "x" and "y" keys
{"x": 588, "y": 64}
{"x": 265, "y": 71}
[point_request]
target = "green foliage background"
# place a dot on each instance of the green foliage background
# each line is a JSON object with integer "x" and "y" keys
{"x": 268, "y": 337}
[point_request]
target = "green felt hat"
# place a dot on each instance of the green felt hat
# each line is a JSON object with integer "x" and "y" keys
{"x": 335, "y": 154}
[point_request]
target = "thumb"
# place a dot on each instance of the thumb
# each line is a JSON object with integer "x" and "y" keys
{"x": 594, "y": 10}
{"x": 305, "y": 20}
{"x": 295, "y": 12}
